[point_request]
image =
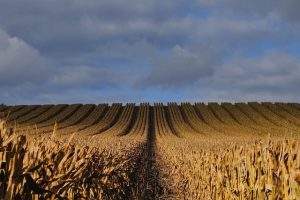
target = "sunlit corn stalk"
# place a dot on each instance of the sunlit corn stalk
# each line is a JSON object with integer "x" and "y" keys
{"x": 258, "y": 171}
{"x": 47, "y": 169}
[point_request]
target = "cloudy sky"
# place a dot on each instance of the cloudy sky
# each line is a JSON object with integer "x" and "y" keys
{"x": 92, "y": 51}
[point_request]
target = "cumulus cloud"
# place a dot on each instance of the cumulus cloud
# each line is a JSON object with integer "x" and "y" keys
{"x": 181, "y": 68}
{"x": 276, "y": 70}
{"x": 274, "y": 76}
{"x": 90, "y": 76}
{"x": 19, "y": 62}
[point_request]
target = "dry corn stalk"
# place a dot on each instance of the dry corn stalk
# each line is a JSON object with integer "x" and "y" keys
{"x": 268, "y": 170}
{"x": 48, "y": 169}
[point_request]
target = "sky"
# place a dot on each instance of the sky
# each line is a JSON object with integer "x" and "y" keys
{"x": 95, "y": 51}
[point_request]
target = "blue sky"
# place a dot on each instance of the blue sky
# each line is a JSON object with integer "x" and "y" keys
{"x": 93, "y": 51}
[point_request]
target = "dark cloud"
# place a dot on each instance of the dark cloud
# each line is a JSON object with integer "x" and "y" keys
{"x": 91, "y": 77}
{"x": 237, "y": 7}
{"x": 181, "y": 68}
{"x": 66, "y": 26}
{"x": 287, "y": 10}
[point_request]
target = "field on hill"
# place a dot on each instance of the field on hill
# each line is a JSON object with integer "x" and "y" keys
{"x": 199, "y": 151}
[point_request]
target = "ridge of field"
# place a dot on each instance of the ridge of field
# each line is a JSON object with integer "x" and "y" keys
{"x": 240, "y": 121}
{"x": 171, "y": 151}
{"x": 94, "y": 117}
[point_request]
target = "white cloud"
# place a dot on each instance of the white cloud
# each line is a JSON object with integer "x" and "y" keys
{"x": 276, "y": 75}
{"x": 19, "y": 62}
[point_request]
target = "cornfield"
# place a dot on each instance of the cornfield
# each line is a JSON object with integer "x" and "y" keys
{"x": 214, "y": 151}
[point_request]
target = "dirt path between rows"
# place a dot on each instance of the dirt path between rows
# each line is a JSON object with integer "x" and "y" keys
{"x": 146, "y": 174}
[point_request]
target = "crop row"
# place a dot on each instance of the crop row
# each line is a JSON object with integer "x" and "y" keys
{"x": 185, "y": 120}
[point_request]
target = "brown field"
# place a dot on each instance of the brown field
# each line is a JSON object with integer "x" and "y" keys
{"x": 200, "y": 151}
